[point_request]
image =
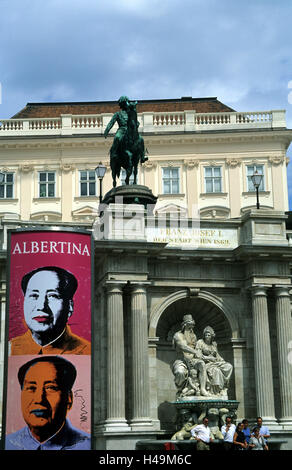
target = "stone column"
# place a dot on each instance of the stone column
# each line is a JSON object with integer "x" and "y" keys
{"x": 262, "y": 356}
{"x": 239, "y": 347}
{"x": 140, "y": 362}
{"x": 284, "y": 338}
{"x": 116, "y": 420}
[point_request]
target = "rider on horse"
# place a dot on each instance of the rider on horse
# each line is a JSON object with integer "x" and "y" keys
{"x": 128, "y": 147}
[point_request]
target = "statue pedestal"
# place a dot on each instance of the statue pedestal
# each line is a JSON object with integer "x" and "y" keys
{"x": 130, "y": 194}
{"x": 216, "y": 411}
{"x": 123, "y": 213}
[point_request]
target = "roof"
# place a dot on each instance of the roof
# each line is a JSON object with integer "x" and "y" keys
{"x": 46, "y": 110}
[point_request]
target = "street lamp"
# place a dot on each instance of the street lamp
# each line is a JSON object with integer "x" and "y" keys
{"x": 256, "y": 179}
{"x": 100, "y": 172}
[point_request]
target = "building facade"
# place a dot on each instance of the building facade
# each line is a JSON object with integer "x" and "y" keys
{"x": 203, "y": 249}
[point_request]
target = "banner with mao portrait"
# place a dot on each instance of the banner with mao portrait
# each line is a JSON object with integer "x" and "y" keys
{"x": 47, "y": 402}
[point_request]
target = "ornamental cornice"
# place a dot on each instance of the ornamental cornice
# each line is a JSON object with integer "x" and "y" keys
{"x": 67, "y": 167}
{"x": 233, "y": 162}
{"x": 191, "y": 163}
{"x": 211, "y": 163}
{"x": 276, "y": 159}
{"x": 150, "y": 164}
{"x": 5, "y": 169}
{"x": 43, "y": 142}
{"x": 171, "y": 163}
{"x": 26, "y": 168}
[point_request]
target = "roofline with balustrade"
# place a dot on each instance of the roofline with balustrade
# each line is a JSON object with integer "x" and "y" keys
{"x": 150, "y": 122}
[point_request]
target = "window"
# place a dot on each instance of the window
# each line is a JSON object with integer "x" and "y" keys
{"x": 251, "y": 169}
{"x": 47, "y": 184}
{"x": 170, "y": 180}
{"x": 123, "y": 177}
{"x": 6, "y": 187}
{"x": 87, "y": 181}
{"x": 213, "y": 179}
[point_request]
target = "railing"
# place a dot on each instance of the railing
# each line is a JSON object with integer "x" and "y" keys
{"x": 159, "y": 122}
{"x": 92, "y": 121}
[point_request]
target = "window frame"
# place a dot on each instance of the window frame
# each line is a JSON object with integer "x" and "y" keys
{"x": 249, "y": 183}
{"x": 46, "y": 182}
{"x": 171, "y": 179}
{"x": 212, "y": 179}
{"x": 87, "y": 181}
{"x": 6, "y": 184}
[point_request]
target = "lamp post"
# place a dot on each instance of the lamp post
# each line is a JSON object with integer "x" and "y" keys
{"x": 256, "y": 179}
{"x": 100, "y": 172}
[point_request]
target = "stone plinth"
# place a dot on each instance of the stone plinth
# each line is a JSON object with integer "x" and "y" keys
{"x": 130, "y": 194}
{"x": 198, "y": 409}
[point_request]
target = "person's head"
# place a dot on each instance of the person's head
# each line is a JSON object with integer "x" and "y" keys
{"x": 205, "y": 421}
{"x": 123, "y": 102}
{"x": 228, "y": 420}
{"x": 259, "y": 421}
{"x": 239, "y": 427}
{"x": 245, "y": 423}
{"x": 48, "y": 300}
{"x": 256, "y": 431}
{"x": 46, "y": 394}
{"x": 208, "y": 334}
{"x": 188, "y": 323}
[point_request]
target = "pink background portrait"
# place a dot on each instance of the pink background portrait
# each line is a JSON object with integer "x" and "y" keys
{"x": 80, "y": 413}
{"x": 79, "y": 265}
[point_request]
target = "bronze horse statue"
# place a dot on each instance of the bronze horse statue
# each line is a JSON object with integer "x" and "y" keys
{"x": 128, "y": 147}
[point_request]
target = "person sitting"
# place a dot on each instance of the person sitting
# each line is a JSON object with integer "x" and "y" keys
{"x": 239, "y": 439}
{"x": 257, "y": 442}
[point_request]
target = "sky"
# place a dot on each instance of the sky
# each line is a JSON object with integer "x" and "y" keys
{"x": 98, "y": 50}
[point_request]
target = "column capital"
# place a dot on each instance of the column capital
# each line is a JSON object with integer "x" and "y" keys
{"x": 282, "y": 290}
{"x": 139, "y": 286}
{"x": 114, "y": 286}
{"x": 260, "y": 290}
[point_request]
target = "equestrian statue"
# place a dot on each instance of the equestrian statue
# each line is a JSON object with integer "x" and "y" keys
{"x": 128, "y": 147}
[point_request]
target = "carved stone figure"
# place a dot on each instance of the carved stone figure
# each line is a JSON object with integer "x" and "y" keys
{"x": 128, "y": 148}
{"x": 218, "y": 370}
{"x": 187, "y": 425}
{"x": 214, "y": 421}
{"x": 189, "y": 371}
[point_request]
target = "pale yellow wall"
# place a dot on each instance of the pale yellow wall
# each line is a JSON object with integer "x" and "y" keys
{"x": 189, "y": 153}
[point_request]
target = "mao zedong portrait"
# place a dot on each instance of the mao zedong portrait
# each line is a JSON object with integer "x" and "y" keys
{"x": 48, "y": 305}
{"x": 46, "y": 397}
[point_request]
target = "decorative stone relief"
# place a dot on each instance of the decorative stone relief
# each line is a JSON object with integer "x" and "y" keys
{"x": 150, "y": 164}
{"x": 5, "y": 170}
{"x": 191, "y": 164}
{"x": 276, "y": 160}
{"x": 233, "y": 162}
{"x": 26, "y": 168}
{"x": 66, "y": 167}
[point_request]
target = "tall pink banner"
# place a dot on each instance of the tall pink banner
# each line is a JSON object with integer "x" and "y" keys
{"x": 48, "y": 374}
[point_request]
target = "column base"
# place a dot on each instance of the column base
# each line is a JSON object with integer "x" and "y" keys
{"x": 116, "y": 425}
{"x": 140, "y": 424}
{"x": 287, "y": 422}
{"x": 269, "y": 421}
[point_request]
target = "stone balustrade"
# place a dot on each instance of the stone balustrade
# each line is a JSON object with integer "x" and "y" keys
{"x": 162, "y": 122}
